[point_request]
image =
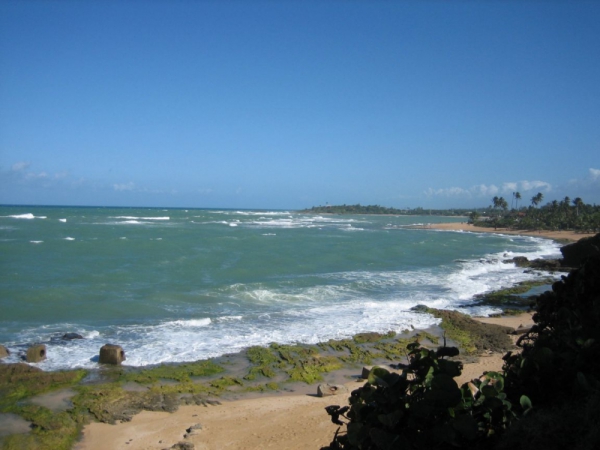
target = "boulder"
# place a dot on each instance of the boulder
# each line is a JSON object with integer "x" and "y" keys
{"x": 36, "y": 353}
{"x": 574, "y": 254}
{"x": 111, "y": 354}
{"x": 520, "y": 261}
{"x": 4, "y": 352}
{"x": 325, "y": 390}
{"x": 71, "y": 336}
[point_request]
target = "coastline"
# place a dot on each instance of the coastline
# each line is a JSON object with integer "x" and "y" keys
{"x": 278, "y": 420}
{"x": 287, "y": 420}
{"x": 559, "y": 236}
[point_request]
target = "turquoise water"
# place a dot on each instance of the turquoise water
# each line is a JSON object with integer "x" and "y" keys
{"x": 177, "y": 285}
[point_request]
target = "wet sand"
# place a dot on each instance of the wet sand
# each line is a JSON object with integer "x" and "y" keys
{"x": 275, "y": 422}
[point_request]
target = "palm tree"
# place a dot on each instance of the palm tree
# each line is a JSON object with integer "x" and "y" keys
{"x": 578, "y": 202}
{"x": 495, "y": 202}
{"x": 517, "y": 198}
{"x": 537, "y": 199}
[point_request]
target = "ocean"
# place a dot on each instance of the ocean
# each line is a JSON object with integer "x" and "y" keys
{"x": 174, "y": 285}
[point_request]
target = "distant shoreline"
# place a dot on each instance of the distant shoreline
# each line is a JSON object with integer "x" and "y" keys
{"x": 559, "y": 236}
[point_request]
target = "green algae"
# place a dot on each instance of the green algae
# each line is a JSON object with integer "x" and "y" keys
{"x": 471, "y": 336}
{"x": 225, "y": 382}
{"x": 512, "y": 296}
{"x": 177, "y": 372}
{"x": 49, "y": 430}
{"x": 363, "y": 338}
{"x": 298, "y": 362}
{"x": 20, "y": 381}
{"x": 352, "y": 352}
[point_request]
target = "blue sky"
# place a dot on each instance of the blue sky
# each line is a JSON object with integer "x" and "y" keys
{"x": 290, "y": 104}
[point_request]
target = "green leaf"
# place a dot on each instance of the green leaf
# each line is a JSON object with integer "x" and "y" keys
{"x": 489, "y": 391}
{"x": 525, "y": 403}
{"x": 377, "y": 376}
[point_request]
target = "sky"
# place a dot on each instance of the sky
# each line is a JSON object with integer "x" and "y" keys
{"x": 292, "y": 104}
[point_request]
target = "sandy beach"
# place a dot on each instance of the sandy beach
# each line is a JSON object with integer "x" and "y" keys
{"x": 272, "y": 422}
{"x": 561, "y": 236}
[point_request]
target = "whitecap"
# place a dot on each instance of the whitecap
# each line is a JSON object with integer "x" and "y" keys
{"x": 62, "y": 220}
{"x": 27, "y": 216}
{"x": 69, "y": 239}
{"x": 36, "y": 242}
{"x": 140, "y": 218}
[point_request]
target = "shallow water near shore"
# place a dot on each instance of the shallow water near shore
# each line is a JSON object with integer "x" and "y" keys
{"x": 173, "y": 285}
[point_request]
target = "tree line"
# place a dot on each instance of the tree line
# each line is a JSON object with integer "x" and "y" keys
{"x": 566, "y": 214}
{"x": 376, "y": 209}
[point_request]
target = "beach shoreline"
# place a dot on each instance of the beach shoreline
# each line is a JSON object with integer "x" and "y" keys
{"x": 278, "y": 420}
{"x": 559, "y": 236}
{"x": 290, "y": 420}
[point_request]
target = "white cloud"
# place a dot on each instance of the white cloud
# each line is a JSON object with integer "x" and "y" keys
{"x": 481, "y": 190}
{"x": 490, "y": 190}
{"x": 22, "y": 165}
{"x": 535, "y": 185}
{"x": 595, "y": 174}
{"x": 35, "y": 176}
{"x": 447, "y": 192}
{"x": 124, "y": 186}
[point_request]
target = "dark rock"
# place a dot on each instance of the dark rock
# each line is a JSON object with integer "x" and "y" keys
{"x": 182, "y": 446}
{"x": 576, "y": 253}
{"x": 520, "y": 261}
{"x": 420, "y": 308}
{"x": 4, "y": 352}
{"x": 36, "y": 353}
{"x": 549, "y": 265}
{"x": 111, "y": 354}
{"x": 193, "y": 430}
{"x": 71, "y": 336}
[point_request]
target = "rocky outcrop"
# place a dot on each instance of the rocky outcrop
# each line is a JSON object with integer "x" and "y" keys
{"x": 576, "y": 253}
{"x": 4, "y": 352}
{"x": 549, "y": 265}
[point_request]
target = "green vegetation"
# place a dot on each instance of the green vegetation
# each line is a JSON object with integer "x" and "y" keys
{"x": 554, "y": 216}
{"x": 376, "y": 209}
{"x": 423, "y": 407}
{"x": 548, "y": 395}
